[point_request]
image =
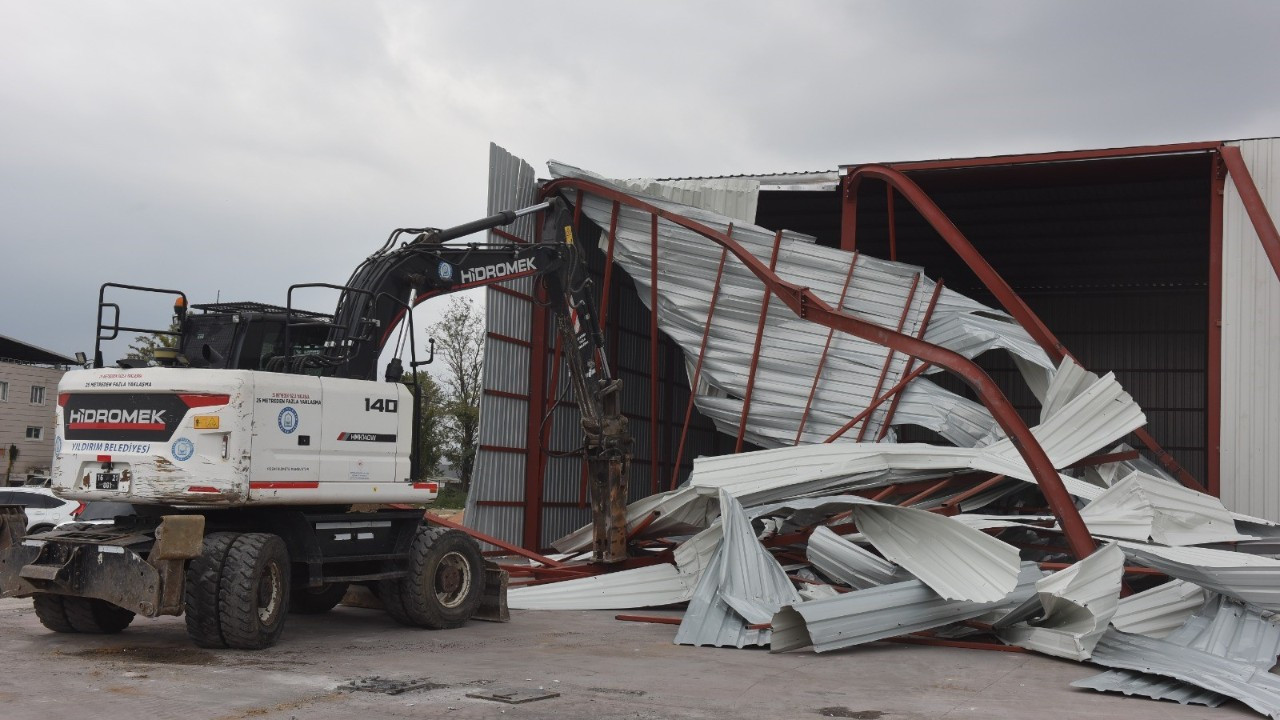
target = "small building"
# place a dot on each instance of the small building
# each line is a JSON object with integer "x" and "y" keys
{"x": 29, "y": 378}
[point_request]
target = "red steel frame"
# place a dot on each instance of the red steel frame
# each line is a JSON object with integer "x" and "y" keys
{"x": 807, "y": 305}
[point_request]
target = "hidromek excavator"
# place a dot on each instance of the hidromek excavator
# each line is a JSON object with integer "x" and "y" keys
{"x": 245, "y": 449}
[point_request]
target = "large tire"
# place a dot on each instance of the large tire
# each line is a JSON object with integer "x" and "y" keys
{"x": 52, "y": 611}
{"x": 253, "y": 597}
{"x": 204, "y": 577}
{"x": 445, "y": 582}
{"x": 91, "y": 615}
{"x": 314, "y": 601}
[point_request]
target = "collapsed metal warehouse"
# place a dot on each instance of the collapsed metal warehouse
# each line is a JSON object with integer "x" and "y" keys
{"x": 1157, "y": 263}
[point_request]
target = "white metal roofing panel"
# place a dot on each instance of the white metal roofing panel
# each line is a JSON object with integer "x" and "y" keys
{"x": 710, "y": 621}
{"x": 881, "y": 612}
{"x": 1249, "y": 684}
{"x": 845, "y": 562}
{"x": 1251, "y": 578}
{"x": 751, "y": 580}
{"x": 1221, "y": 627}
{"x": 1250, "y": 346}
{"x": 1160, "y": 610}
{"x": 1078, "y": 603}
{"x": 1141, "y": 507}
{"x": 639, "y": 587}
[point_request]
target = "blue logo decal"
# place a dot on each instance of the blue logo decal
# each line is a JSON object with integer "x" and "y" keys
{"x": 57, "y": 444}
{"x": 288, "y": 420}
{"x": 183, "y": 449}
{"x": 445, "y": 271}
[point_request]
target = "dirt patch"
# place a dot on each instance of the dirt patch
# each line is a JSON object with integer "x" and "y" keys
{"x": 154, "y": 655}
{"x": 840, "y": 712}
{"x": 282, "y": 707}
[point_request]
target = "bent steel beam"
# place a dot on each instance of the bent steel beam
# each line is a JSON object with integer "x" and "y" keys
{"x": 1009, "y": 300}
{"x": 807, "y": 305}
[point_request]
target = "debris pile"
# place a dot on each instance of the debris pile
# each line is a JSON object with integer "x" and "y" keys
{"x": 827, "y": 547}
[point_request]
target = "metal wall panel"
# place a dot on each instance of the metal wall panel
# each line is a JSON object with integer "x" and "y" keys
{"x": 1250, "y": 464}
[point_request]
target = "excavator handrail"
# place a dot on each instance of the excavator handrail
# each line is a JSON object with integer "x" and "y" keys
{"x": 807, "y": 305}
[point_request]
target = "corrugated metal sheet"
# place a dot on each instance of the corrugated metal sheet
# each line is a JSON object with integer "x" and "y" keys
{"x": 1141, "y": 507}
{"x": 743, "y": 585}
{"x": 847, "y": 563}
{"x": 1078, "y": 602}
{"x": 1220, "y": 626}
{"x": 1250, "y": 578}
{"x": 1160, "y": 610}
{"x": 1250, "y": 346}
{"x": 751, "y": 580}
{"x": 1251, "y": 685}
{"x": 499, "y": 476}
{"x": 882, "y": 612}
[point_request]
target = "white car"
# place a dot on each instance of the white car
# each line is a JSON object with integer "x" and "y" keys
{"x": 44, "y": 510}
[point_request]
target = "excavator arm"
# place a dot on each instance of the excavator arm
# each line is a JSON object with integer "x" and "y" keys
{"x": 428, "y": 267}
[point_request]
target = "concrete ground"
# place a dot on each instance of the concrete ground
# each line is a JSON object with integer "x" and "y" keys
{"x": 601, "y": 668}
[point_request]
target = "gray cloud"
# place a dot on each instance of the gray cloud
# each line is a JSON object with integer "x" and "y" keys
{"x": 239, "y": 147}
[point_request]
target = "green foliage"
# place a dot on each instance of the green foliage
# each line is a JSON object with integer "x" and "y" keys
{"x": 452, "y": 497}
{"x": 459, "y": 340}
{"x": 432, "y": 436}
{"x": 144, "y": 346}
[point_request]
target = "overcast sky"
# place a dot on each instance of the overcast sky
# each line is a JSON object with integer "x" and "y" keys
{"x": 239, "y": 147}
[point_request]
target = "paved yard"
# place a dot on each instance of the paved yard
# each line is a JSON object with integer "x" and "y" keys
{"x": 601, "y": 668}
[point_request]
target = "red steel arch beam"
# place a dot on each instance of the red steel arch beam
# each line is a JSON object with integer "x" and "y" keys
{"x": 1010, "y": 300}
{"x": 804, "y": 303}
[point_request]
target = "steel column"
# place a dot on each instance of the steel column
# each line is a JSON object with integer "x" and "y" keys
{"x": 1213, "y": 369}
{"x": 653, "y": 355}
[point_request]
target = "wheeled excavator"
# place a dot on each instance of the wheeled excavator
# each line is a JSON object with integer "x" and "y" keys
{"x": 245, "y": 445}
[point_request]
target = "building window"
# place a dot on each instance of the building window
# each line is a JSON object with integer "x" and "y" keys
{"x": 4, "y": 390}
{"x": 35, "y": 432}
{"x": 37, "y": 395}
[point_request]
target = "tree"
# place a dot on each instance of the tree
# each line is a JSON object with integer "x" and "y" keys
{"x": 459, "y": 340}
{"x": 144, "y": 346}
{"x": 432, "y": 436}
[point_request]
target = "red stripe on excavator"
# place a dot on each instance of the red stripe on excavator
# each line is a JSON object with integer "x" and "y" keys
{"x": 284, "y": 485}
{"x": 433, "y": 487}
{"x": 195, "y": 400}
{"x": 202, "y": 489}
{"x": 114, "y": 426}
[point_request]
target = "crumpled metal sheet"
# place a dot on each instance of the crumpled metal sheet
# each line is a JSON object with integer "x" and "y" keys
{"x": 847, "y": 563}
{"x": 1160, "y": 610}
{"x": 1249, "y": 578}
{"x": 792, "y": 346}
{"x": 743, "y": 585}
{"x": 1220, "y": 626}
{"x": 1249, "y": 683}
{"x": 882, "y": 612}
{"x": 751, "y": 580}
{"x": 1077, "y": 602}
{"x": 1141, "y": 507}
{"x": 956, "y": 561}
